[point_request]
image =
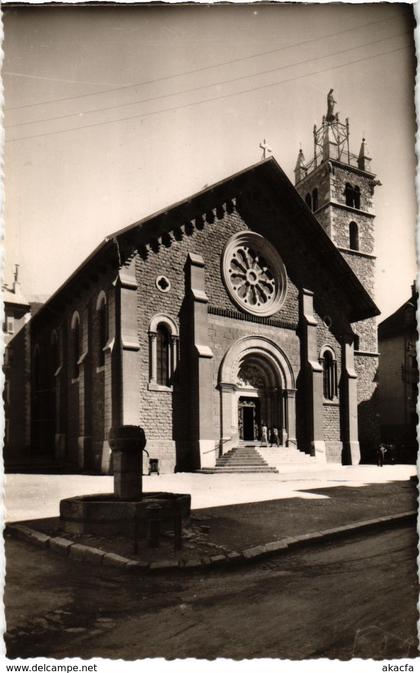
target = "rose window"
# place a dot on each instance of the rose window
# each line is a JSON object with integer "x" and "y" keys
{"x": 254, "y": 274}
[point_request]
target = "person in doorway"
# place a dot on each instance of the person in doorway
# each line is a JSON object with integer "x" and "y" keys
{"x": 264, "y": 434}
{"x": 380, "y": 455}
{"x": 274, "y": 437}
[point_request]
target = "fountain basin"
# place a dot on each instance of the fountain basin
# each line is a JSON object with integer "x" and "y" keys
{"x": 105, "y": 514}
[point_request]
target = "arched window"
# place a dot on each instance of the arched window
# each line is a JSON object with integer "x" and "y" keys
{"x": 163, "y": 347}
{"x": 356, "y": 197}
{"x": 354, "y": 236}
{"x": 352, "y": 195}
{"x": 329, "y": 366}
{"x": 315, "y": 199}
{"x": 162, "y": 355}
{"x": 349, "y": 195}
{"x": 308, "y": 200}
{"x": 75, "y": 346}
{"x": 102, "y": 328}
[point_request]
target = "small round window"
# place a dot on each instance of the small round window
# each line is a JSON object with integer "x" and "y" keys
{"x": 163, "y": 283}
{"x": 254, "y": 274}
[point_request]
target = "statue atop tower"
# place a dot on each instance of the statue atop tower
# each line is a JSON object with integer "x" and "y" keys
{"x": 331, "y": 142}
{"x": 330, "y": 107}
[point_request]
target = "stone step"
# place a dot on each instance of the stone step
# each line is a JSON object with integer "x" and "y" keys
{"x": 239, "y": 458}
{"x": 283, "y": 456}
{"x": 287, "y": 456}
{"x": 238, "y": 470}
{"x": 253, "y": 459}
{"x": 242, "y": 459}
{"x": 239, "y": 453}
{"x": 244, "y": 452}
{"x": 251, "y": 466}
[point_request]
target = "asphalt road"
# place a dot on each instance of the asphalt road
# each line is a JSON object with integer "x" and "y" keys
{"x": 354, "y": 597}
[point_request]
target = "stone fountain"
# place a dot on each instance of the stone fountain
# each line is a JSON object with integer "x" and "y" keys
{"x": 127, "y": 511}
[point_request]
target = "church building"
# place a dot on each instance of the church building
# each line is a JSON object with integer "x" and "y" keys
{"x": 248, "y": 305}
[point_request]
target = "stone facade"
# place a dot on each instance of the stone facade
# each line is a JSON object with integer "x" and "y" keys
{"x": 180, "y": 352}
{"x": 70, "y": 408}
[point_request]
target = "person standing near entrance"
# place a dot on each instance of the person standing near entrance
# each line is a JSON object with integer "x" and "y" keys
{"x": 264, "y": 434}
{"x": 274, "y": 437}
{"x": 380, "y": 455}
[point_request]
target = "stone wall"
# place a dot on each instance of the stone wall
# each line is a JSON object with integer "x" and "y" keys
{"x": 81, "y": 400}
{"x": 368, "y": 411}
{"x": 341, "y": 218}
{"x": 331, "y": 418}
{"x": 319, "y": 179}
{"x": 364, "y": 268}
{"x": 368, "y": 335}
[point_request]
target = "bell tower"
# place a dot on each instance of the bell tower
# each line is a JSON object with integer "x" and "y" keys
{"x": 338, "y": 187}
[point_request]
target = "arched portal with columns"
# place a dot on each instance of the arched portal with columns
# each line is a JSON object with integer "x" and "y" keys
{"x": 257, "y": 386}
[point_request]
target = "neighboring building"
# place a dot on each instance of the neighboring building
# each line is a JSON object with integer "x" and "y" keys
{"x": 236, "y": 308}
{"x": 398, "y": 379}
{"x": 16, "y": 368}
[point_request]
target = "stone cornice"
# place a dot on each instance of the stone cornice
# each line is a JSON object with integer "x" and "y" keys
{"x": 353, "y": 169}
{"x": 342, "y": 206}
{"x": 356, "y": 253}
{"x": 261, "y": 320}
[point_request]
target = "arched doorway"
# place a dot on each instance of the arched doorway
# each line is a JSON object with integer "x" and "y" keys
{"x": 259, "y": 392}
{"x": 257, "y": 386}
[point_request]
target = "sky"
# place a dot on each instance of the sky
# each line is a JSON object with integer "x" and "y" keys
{"x": 112, "y": 113}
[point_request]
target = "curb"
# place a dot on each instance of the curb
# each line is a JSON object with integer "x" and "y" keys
{"x": 94, "y": 556}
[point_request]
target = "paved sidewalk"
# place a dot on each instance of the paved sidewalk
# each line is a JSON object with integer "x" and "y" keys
{"x": 34, "y": 496}
{"x": 265, "y": 514}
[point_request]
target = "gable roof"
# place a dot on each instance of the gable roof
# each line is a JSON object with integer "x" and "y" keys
{"x": 403, "y": 320}
{"x": 266, "y": 171}
{"x": 14, "y": 296}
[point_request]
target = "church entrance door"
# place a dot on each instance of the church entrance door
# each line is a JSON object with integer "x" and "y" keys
{"x": 249, "y": 418}
{"x": 257, "y": 387}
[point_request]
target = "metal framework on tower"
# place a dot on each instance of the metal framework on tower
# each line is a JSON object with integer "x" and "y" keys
{"x": 332, "y": 141}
